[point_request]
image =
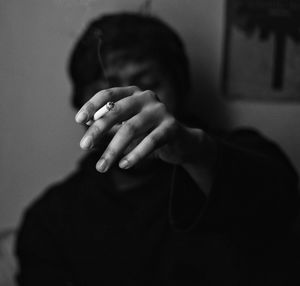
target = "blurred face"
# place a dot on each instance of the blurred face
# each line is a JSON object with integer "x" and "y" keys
{"x": 146, "y": 74}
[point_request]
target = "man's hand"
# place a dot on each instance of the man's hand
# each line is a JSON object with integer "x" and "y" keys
{"x": 141, "y": 118}
{"x": 144, "y": 117}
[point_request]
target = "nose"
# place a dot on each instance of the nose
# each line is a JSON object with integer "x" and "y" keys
{"x": 125, "y": 82}
{"x": 121, "y": 83}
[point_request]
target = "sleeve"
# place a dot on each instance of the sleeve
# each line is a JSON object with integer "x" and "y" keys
{"x": 254, "y": 188}
{"x": 38, "y": 249}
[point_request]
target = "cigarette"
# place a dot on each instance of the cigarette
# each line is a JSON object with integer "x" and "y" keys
{"x": 103, "y": 110}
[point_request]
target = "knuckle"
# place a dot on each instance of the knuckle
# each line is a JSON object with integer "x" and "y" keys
{"x": 110, "y": 153}
{"x": 134, "y": 88}
{"x": 160, "y": 108}
{"x": 95, "y": 130}
{"x": 170, "y": 127}
{"x": 103, "y": 96}
{"x": 154, "y": 139}
{"x": 107, "y": 93}
{"x": 130, "y": 128}
{"x": 170, "y": 121}
{"x": 89, "y": 107}
{"x": 151, "y": 95}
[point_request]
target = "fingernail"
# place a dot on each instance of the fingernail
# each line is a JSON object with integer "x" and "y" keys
{"x": 81, "y": 117}
{"x": 89, "y": 123}
{"x": 124, "y": 164}
{"x": 102, "y": 166}
{"x": 86, "y": 142}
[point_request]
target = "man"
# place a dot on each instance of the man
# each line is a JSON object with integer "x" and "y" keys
{"x": 157, "y": 202}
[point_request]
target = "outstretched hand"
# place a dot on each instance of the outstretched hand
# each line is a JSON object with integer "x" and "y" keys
{"x": 141, "y": 117}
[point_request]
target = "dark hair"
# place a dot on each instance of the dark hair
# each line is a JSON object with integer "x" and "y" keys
{"x": 140, "y": 36}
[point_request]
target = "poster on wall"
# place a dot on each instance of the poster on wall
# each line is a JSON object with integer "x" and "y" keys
{"x": 262, "y": 50}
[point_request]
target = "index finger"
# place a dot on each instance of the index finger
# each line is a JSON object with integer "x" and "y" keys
{"x": 88, "y": 110}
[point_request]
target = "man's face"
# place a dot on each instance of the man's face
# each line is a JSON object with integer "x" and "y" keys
{"x": 146, "y": 74}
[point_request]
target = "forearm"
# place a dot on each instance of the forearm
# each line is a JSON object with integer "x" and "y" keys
{"x": 200, "y": 158}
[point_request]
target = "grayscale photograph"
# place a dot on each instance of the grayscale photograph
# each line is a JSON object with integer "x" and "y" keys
{"x": 150, "y": 142}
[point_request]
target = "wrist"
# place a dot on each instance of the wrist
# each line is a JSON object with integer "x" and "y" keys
{"x": 201, "y": 161}
{"x": 198, "y": 148}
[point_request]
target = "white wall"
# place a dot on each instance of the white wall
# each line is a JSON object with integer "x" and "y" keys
{"x": 39, "y": 139}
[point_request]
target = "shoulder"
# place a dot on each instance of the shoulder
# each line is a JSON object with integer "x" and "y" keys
{"x": 46, "y": 214}
{"x": 253, "y": 142}
{"x": 60, "y": 200}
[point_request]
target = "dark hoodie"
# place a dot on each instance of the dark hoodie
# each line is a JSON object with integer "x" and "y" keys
{"x": 83, "y": 232}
